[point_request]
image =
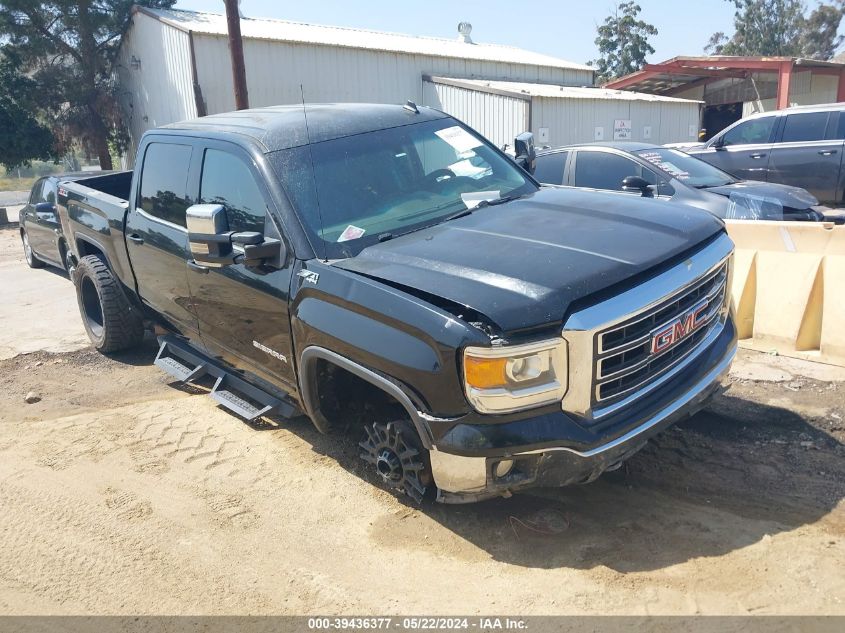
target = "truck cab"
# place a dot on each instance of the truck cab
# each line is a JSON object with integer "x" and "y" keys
{"x": 387, "y": 267}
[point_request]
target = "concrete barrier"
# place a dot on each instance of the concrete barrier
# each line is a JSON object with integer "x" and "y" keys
{"x": 789, "y": 288}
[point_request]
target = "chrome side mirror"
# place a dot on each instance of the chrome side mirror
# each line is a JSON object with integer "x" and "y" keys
{"x": 208, "y": 235}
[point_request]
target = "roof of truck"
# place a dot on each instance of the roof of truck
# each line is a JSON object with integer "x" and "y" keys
{"x": 283, "y": 127}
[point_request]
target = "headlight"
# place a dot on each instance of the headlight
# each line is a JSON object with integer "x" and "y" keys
{"x": 510, "y": 378}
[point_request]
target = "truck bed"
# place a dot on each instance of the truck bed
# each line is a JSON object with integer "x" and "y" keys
{"x": 92, "y": 212}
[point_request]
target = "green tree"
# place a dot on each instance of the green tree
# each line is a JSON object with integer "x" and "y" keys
{"x": 22, "y": 137}
{"x": 820, "y": 39}
{"x": 622, "y": 42}
{"x": 781, "y": 28}
{"x": 68, "y": 48}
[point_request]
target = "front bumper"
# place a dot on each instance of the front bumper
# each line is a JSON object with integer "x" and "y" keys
{"x": 464, "y": 471}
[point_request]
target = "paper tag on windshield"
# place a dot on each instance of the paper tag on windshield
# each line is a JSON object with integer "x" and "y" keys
{"x": 458, "y": 138}
{"x": 351, "y": 233}
{"x": 472, "y": 198}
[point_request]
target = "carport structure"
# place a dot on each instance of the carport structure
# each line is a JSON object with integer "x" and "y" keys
{"x": 733, "y": 87}
{"x": 680, "y": 74}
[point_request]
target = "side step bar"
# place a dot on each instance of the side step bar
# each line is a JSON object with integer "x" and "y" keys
{"x": 244, "y": 399}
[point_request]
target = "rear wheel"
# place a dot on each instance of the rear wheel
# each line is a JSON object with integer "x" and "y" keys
{"x": 110, "y": 320}
{"x": 31, "y": 259}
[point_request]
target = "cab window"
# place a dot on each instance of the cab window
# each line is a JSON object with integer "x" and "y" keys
{"x": 603, "y": 170}
{"x": 226, "y": 180}
{"x": 164, "y": 181}
{"x": 35, "y": 194}
{"x": 751, "y": 132}
{"x": 48, "y": 193}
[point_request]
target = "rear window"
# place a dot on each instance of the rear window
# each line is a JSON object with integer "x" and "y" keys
{"x": 164, "y": 181}
{"x": 809, "y": 126}
{"x": 550, "y": 168}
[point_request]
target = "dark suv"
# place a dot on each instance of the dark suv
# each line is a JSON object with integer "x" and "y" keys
{"x": 799, "y": 146}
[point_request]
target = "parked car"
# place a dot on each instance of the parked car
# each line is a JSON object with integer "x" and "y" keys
{"x": 800, "y": 146}
{"x": 41, "y": 233}
{"x": 486, "y": 334}
{"x": 649, "y": 170}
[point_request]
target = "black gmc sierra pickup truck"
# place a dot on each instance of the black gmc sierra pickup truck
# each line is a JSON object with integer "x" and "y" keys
{"x": 387, "y": 265}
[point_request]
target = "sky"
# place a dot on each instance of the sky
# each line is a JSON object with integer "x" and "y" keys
{"x": 561, "y": 28}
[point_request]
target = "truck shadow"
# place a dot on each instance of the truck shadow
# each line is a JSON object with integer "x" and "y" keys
{"x": 719, "y": 482}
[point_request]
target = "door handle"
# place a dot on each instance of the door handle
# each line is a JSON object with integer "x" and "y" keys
{"x": 757, "y": 155}
{"x": 197, "y": 267}
{"x": 827, "y": 152}
{"x": 135, "y": 238}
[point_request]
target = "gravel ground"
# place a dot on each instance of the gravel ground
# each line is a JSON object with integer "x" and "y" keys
{"x": 122, "y": 493}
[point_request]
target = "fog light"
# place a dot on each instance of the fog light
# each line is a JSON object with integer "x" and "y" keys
{"x": 502, "y": 468}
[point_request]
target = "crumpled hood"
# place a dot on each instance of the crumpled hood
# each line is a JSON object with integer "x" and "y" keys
{"x": 522, "y": 263}
{"x": 790, "y": 197}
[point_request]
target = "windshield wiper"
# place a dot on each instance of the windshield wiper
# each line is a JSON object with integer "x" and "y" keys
{"x": 495, "y": 201}
{"x": 460, "y": 214}
{"x": 481, "y": 205}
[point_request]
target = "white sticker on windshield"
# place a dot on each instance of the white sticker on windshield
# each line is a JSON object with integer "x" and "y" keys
{"x": 458, "y": 138}
{"x": 351, "y": 233}
{"x": 472, "y": 198}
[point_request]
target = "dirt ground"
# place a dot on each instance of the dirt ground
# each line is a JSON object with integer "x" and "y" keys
{"x": 123, "y": 494}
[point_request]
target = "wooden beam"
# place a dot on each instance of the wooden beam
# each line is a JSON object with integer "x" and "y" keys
{"x": 236, "y": 50}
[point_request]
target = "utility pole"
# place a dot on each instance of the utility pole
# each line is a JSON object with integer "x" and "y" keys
{"x": 236, "y": 49}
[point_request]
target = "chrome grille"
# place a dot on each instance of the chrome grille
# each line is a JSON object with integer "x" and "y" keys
{"x": 625, "y": 361}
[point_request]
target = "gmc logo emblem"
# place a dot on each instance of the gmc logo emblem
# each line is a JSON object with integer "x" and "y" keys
{"x": 679, "y": 329}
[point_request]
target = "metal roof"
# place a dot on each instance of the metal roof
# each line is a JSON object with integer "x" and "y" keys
{"x": 553, "y": 91}
{"x": 679, "y": 73}
{"x": 283, "y": 127}
{"x": 299, "y": 32}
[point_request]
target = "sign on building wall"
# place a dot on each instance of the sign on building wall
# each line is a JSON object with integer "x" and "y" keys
{"x": 622, "y": 130}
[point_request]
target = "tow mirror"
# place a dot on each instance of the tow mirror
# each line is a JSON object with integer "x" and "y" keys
{"x": 636, "y": 183}
{"x": 526, "y": 155}
{"x": 258, "y": 249}
{"x": 212, "y": 244}
{"x": 208, "y": 235}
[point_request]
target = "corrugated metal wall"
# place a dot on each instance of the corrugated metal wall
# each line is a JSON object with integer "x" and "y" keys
{"x": 160, "y": 90}
{"x": 500, "y": 118}
{"x": 568, "y": 120}
{"x": 575, "y": 120}
{"x": 805, "y": 88}
{"x": 275, "y": 71}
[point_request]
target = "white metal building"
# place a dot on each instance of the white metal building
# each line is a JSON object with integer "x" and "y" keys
{"x": 560, "y": 115}
{"x": 175, "y": 65}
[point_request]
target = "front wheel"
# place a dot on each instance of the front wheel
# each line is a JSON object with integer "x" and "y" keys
{"x": 31, "y": 260}
{"x": 110, "y": 320}
{"x": 399, "y": 459}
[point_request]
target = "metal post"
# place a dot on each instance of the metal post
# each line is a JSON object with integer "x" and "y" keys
{"x": 840, "y": 90}
{"x": 784, "y": 78}
{"x": 236, "y": 49}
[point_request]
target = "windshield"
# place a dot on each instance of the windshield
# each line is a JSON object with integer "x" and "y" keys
{"x": 382, "y": 184}
{"x": 686, "y": 168}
